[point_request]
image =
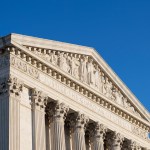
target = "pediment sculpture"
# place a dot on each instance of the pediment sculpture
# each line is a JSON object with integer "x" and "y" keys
{"x": 86, "y": 69}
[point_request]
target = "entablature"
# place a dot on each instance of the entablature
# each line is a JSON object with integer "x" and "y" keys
{"x": 21, "y": 60}
{"x": 109, "y": 95}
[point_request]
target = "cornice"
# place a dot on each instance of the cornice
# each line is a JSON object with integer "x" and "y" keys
{"x": 70, "y": 47}
{"x": 61, "y": 46}
{"x": 80, "y": 87}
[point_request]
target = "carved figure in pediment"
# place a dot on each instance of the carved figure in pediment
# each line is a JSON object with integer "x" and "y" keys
{"x": 100, "y": 86}
{"x": 90, "y": 72}
{"x": 53, "y": 58}
{"x": 74, "y": 66}
{"x": 38, "y": 51}
{"x": 131, "y": 108}
{"x": 83, "y": 69}
{"x": 97, "y": 78}
{"x": 45, "y": 55}
{"x": 118, "y": 96}
{"x": 59, "y": 56}
{"x": 137, "y": 114}
{"x": 108, "y": 88}
{"x": 103, "y": 82}
{"x": 125, "y": 102}
{"x": 63, "y": 62}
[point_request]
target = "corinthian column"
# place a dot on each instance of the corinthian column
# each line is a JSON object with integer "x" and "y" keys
{"x": 117, "y": 141}
{"x": 99, "y": 134}
{"x": 10, "y": 90}
{"x": 39, "y": 100}
{"x": 57, "y": 113}
{"x": 134, "y": 145}
{"x": 78, "y": 123}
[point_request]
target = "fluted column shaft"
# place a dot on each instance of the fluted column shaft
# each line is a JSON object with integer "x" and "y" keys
{"x": 57, "y": 112}
{"x": 39, "y": 100}
{"x": 78, "y": 123}
{"x": 79, "y": 138}
{"x": 10, "y": 97}
{"x": 99, "y": 132}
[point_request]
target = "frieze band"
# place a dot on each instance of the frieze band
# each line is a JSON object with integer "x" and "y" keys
{"x": 33, "y": 72}
{"x": 85, "y": 69}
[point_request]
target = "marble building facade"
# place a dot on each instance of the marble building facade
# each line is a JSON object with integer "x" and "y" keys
{"x": 60, "y": 96}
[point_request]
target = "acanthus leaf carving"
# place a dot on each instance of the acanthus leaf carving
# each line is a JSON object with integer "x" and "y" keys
{"x": 97, "y": 131}
{"x": 57, "y": 111}
{"x": 12, "y": 85}
{"x": 134, "y": 145}
{"x": 39, "y": 99}
{"x": 77, "y": 121}
{"x": 85, "y": 69}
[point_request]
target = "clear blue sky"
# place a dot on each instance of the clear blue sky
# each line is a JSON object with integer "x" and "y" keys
{"x": 118, "y": 29}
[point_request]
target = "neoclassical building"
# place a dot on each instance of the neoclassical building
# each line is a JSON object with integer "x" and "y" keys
{"x": 60, "y": 96}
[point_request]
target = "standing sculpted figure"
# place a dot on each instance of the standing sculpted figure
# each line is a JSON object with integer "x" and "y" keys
{"x": 53, "y": 58}
{"x": 59, "y": 57}
{"x": 66, "y": 66}
{"x": 97, "y": 78}
{"x": 38, "y": 51}
{"x": 108, "y": 88}
{"x": 118, "y": 96}
{"x": 43, "y": 54}
{"x": 101, "y": 84}
{"x": 47, "y": 56}
{"x": 74, "y": 67}
{"x": 83, "y": 69}
{"x": 90, "y": 72}
{"x": 103, "y": 81}
{"x": 125, "y": 102}
{"x": 63, "y": 62}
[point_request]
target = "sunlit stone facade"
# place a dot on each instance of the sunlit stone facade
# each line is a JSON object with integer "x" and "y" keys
{"x": 59, "y": 96}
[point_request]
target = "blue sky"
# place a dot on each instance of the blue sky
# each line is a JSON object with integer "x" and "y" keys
{"x": 118, "y": 29}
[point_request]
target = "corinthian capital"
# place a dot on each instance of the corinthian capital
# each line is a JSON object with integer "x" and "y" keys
{"x": 117, "y": 140}
{"x": 97, "y": 131}
{"x": 12, "y": 85}
{"x": 134, "y": 145}
{"x": 77, "y": 120}
{"x": 39, "y": 98}
{"x": 57, "y": 111}
{"x": 100, "y": 130}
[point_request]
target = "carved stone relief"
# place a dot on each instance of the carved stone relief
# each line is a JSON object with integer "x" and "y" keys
{"x": 85, "y": 69}
{"x": 19, "y": 64}
{"x": 136, "y": 130}
{"x": 39, "y": 99}
{"x": 11, "y": 84}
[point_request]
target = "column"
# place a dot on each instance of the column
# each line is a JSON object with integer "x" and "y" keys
{"x": 134, "y": 145}
{"x": 10, "y": 90}
{"x": 39, "y": 101}
{"x": 78, "y": 123}
{"x": 99, "y": 133}
{"x": 48, "y": 134}
{"x": 57, "y": 113}
{"x": 117, "y": 141}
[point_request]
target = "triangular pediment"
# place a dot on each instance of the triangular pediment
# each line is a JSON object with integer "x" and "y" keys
{"x": 85, "y": 65}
